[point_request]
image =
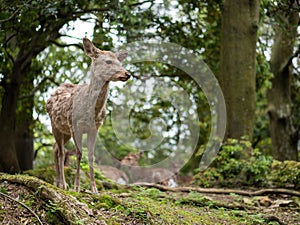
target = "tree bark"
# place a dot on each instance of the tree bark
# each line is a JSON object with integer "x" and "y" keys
{"x": 237, "y": 70}
{"x": 24, "y": 145}
{"x": 25, "y": 123}
{"x": 24, "y": 139}
{"x": 8, "y": 156}
{"x": 8, "y": 117}
{"x": 283, "y": 136}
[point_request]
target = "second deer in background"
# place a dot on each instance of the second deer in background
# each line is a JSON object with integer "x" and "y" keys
{"x": 150, "y": 175}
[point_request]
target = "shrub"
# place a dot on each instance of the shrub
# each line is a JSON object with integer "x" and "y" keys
{"x": 236, "y": 164}
{"x": 285, "y": 174}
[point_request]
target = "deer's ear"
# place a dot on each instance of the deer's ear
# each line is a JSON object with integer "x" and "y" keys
{"x": 121, "y": 55}
{"x": 89, "y": 48}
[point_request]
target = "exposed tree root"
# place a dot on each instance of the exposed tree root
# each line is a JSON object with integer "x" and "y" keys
{"x": 70, "y": 209}
{"x": 222, "y": 191}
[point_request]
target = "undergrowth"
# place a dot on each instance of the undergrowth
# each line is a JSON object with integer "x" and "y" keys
{"x": 230, "y": 168}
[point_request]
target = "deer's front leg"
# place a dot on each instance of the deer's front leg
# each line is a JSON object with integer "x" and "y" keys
{"x": 91, "y": 140}
{"x": 77, "y": 137}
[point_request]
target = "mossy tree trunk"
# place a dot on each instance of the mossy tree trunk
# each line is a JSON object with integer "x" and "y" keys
{"x": 283, "y": 135}
{"x": 237, "y": 70}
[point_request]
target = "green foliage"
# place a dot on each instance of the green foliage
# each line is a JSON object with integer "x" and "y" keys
{"x": 145, "y": 22}
{"x": 230, "y": 168}
{"x": 108, "y": 146}
{"x": 3, "y": 190}
{"x": 52, "y": 210}
{"x": 258, "y": 170}
{"x": 285, "y": 174}
{"x": 196, "y": 26}
{"x": 263, "y": 84}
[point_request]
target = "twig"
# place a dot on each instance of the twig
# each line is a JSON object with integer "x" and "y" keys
{"x": 14, "y": 13}
{"x": 221, "y": 191}
{"x": 140, "y": 3}
{"x": 36, "y": 88}
{"x": 43, "y": 145}
{"x": 22, "y": 204}
{"x": 67, "y": 45}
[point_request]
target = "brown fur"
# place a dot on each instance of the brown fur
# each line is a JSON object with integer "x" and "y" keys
{"x": 78, "y": 109}
{"x": 150, "y": 175}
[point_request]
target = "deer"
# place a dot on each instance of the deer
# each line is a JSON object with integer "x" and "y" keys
{"x": 139, "y": 174}
{"x": 77, "y": 109}
{"x": 114, "y": 174}
{"x": 110, "y": 172}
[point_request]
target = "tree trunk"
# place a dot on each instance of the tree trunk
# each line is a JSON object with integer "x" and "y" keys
{"x": 28, "y": 50}
{"x": 24, "y": 125}
{"x": 8, "y": 156}
{"x": 284, "y": 141}
{"x": 237, "y": 70}
{"x": 24, "y": 140}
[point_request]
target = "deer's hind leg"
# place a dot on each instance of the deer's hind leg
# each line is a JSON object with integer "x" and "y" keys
{"x": 59, "y": 158}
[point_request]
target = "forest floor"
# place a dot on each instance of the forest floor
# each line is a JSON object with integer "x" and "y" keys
{"x": 28, "y": 200}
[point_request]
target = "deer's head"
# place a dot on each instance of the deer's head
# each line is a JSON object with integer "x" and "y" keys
{"x": 106, "y": 65}
{"x": 132, "y": 159}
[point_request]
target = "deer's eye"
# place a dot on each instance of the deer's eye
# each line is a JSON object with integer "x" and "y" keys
{"x": 108, "y": 62}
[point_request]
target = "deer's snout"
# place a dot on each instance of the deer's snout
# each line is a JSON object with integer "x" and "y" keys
{"x": 121, "y": 76}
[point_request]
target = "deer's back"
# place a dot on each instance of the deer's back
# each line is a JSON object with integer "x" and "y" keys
{"x": 114, "y": 174}
{"x": 59, "y": 107}
{"x": 153, "y": 175}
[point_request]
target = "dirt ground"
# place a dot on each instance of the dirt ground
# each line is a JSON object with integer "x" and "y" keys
{"x": 20, "y": 205}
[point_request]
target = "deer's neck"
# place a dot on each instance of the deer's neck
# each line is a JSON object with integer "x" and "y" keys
{"x": 98, "y": 92}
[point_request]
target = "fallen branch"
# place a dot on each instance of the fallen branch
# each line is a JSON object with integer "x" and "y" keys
{"x": 221, "y": 190}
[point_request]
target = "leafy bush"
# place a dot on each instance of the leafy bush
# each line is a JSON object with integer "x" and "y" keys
{"x": 285, "y": 174}
{"x": 233, "y": 167}
{"x": 236, "y": 164}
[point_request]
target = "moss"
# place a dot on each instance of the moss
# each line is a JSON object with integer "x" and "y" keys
{"x": 152, "y": 207}
{"x": 107, "y": 201}
{"x": 46, "y": 174}
{"x": 134, "y": 206}
{"x": 195, "y": 199}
